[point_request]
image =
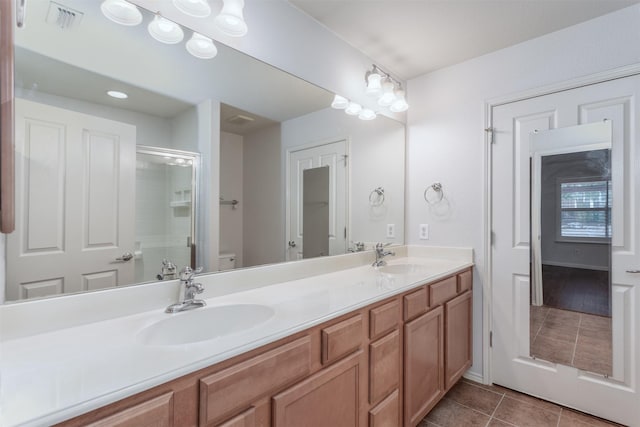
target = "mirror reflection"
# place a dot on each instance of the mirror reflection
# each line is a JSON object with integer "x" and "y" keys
{"x": 571, "y": 230}
{"x": 186, "y": 162}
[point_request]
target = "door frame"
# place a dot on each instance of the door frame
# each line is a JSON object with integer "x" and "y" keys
{"x": 287, "y": 178}
{"x": 487, "y": 198}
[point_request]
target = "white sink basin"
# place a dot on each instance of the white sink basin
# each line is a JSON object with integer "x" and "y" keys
{"x": 398, "y": 269}
{"x": 203, "y": 324}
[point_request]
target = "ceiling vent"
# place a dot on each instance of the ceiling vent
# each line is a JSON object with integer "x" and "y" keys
{"x": 240, "y": 120}
{"x": 63, "y": 17}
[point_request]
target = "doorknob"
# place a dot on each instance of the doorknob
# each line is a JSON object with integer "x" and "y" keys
{"x": 127, "y": 256}
{"x": 292, "y": 244}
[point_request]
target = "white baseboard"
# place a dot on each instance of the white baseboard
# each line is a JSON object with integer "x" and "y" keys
{"x": 572, "y": 265}
{"x": 473, "y": 376}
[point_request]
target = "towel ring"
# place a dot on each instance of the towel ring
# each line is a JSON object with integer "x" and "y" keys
{"x": 435, "y": 195}
{"x": 376, "y": 197}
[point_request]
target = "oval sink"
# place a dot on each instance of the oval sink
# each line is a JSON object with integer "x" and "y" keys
{"x": 397, "y": 269}
{"x": 203, "y": 324}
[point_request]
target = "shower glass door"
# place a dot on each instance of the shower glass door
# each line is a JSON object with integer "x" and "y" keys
{"x": 166, "y": 196}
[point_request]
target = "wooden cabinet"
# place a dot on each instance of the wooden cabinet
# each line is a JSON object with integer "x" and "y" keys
{"x": 458, "y": 338}
{"x": 384, "y": 365}
{"x": 332, "y": 397}
{"x": 423, "y": 365}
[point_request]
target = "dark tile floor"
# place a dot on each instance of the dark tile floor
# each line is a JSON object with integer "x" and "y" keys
{"x": 576, "y": 289}
{"x": 472, "y": 404}
{"x": 571, "y": 338}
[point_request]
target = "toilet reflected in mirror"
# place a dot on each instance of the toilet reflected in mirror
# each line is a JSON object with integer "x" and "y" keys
{"x": 570, "y": 317}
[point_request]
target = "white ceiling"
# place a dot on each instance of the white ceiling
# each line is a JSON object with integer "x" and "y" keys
{"x": 412, "y": 37}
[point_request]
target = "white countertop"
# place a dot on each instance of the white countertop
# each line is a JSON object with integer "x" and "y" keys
{"x": 47, "y": 376}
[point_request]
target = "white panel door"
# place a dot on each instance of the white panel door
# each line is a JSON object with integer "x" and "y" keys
{"x": 333, "y": 155}
{"x": 614, "y": 397}
{"x": 75, "y": 203}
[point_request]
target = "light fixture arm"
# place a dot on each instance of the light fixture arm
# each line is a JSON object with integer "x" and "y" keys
{"x": 376, "y": 69}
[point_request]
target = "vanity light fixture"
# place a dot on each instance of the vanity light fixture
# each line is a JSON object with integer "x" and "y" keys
{"x": 201, "y": 47}
{"x": 339, "y": 102}
{"x": 367, "y": 114}
{"x": 400, "y": 104}
{"x": 388, "y": 95}
{"x": 230, "y": 20}
{"x": 117, "y": 94}
{"x": 165, "y": 31}
{"x": 195, "y": 8}
{"x": 121, "y": 12}
{"x": 374, "y": 82}
{"x": 353, "y": 109}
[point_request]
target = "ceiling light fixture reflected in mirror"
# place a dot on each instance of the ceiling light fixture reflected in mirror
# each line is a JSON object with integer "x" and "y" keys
{"x": 195, "y": 8}
{"x": 339, "y": 102}
{"x": 121, "y": 12}
{"x": 165, "y": 31}
{"x": 230, "y": 20}
{"x": 201, "y": 47}
{"x": 353, "y": 109}
{"x": 367, "y": 114}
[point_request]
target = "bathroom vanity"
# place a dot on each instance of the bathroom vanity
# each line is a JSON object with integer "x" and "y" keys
{"x": 356, "y": 346}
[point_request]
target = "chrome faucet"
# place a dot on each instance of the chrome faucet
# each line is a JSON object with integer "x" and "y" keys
{"x": 188, "y": 291}
{"x": 381, "y": 253}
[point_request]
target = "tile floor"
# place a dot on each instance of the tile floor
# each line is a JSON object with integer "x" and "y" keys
{"x": 472, "y": 404}
{"x": 572, "y": 338}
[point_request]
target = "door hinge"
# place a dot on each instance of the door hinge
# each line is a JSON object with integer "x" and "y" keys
{"x": 345, "y": 232}
{"x": 490, "y": 131}
{"x": 492, "y": 238}
{"x": 490, "y": 338}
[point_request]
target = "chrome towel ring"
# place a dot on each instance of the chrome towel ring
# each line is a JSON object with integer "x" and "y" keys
{"x": 376, "y": 197}
{"x": 434, "y": 193}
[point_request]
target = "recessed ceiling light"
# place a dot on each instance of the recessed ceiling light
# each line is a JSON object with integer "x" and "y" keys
{"x": 195, "y": 8}
{"x": 121, "y": 12}
{"x": 117, "y": 94}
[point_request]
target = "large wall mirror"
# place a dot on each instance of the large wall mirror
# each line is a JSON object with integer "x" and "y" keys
{"x": 201, "y": 163}
{"x": 571, "y": 231}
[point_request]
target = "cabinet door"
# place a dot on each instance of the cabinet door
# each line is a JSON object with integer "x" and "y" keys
{"x": 423, "y": 365}
{"x": 458, "y": 352}
{"x": 331, "y": 397}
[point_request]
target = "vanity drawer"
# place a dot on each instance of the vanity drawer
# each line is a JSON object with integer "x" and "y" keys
{"x": 465, "y": 281}
{"x": 384, "y": 366}
{"x": 341, "y": 339}
{"x": 383, "y": 319}
{"x": 415, "y": 303}
{"x": 443, "y": 291}
{"x": 237, "y": 387}
{"x": 154, "y": 412}
{"x": 387, "y": 413}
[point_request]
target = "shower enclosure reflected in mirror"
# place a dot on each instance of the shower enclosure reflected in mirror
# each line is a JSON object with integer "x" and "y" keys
{"x": 571, "y": 204}
{"x": 166, "y": 199}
